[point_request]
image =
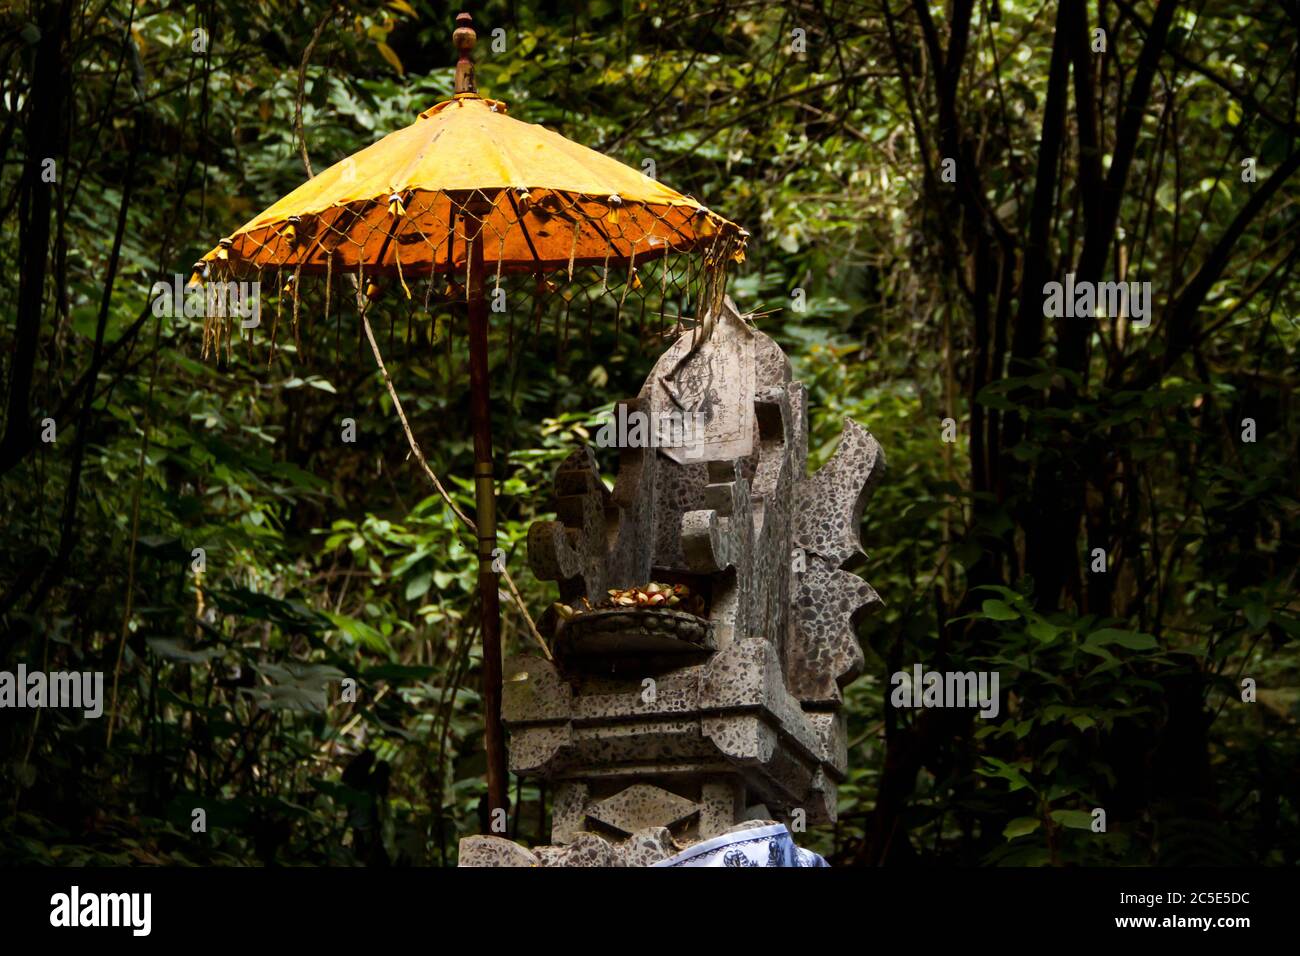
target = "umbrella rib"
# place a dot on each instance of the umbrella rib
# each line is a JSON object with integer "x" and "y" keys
{"x": 608, "y": 241}
{"x": 451, "y": 239}
{"x": 379, "y": 259}
{"x": 388, "y": 239}
{"x": 352, "y": 215}
{"x": 524, "y": 226}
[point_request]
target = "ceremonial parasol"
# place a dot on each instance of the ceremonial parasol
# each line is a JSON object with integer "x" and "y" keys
{"x": 469, "y": 191}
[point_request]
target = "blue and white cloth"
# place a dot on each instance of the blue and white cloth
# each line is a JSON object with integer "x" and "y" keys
{"x": 767, "y": 845}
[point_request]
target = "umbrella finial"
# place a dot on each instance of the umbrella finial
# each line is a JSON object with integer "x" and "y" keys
{"x": 464, "y": 38}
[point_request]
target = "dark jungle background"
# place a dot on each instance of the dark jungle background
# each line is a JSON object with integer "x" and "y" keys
{"x": 324, "y": 559}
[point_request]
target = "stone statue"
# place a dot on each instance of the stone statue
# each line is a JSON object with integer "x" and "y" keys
{"x": 661, "y": 726}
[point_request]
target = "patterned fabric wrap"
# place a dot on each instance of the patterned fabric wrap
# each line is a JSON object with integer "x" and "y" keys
{"x": 766, "y": 845}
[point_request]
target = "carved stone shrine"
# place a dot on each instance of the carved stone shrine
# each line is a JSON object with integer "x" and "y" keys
{"x": 657, "y": 727}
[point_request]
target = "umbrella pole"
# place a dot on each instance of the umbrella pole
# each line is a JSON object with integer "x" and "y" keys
{"x": 476, "y": 207}
{"x": 485, "y": 517}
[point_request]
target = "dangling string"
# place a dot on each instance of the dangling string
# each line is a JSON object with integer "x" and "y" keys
{"x": 663, "y": 292}
{"x": 568, "y": 307}
{"x": 362, "y": 299}
{"x": 627, "y": 285}
{"x": 452, "y": 215}
{"x": 510, "y": 332}
{"x": 275, "y": 324}
{"x": 537, "y": 308}
{"x": 588, "y": 310}
{"x": 428, "y": 296}
{"x": 468, "y": 257}
{"x": 640, "y": 323}
{"x": 450, "y": 350}
{"x": 559, "y": 339}
{"x": 573, "y": 249}
{"x": 410, "y": 314}
{"x": 230, "y": 325}
{"x": 297, "y": 273}
{"x": 693, "y": 273}
{"x": 397, "y": 255}
{"x": 207, "y": 334}
{"x": 329, "y": 284}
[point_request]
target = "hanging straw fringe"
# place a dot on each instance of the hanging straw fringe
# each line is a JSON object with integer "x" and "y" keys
{"x": 397, "y": 256}
{"x": 275, "y": 324}
{"x": 297, "y": 274}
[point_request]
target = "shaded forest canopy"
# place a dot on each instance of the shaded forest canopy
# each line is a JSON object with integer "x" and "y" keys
{"x": 913, "y": 176}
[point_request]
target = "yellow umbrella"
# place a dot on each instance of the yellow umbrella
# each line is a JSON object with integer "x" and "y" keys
{"x": 467, "y": 189}
{"x": 399, "y": 206}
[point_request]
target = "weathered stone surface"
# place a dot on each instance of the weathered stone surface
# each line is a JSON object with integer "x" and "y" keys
{"x": 820, "y": 803}
{"x": 720, "y": 801}
{"x": 829, "y": 505}
{"x": 549, "y": 855}
{"x": 494, "y": 851}
{"x": 647, "y": 847}
{"x": 677, "y": 489}
{"x": 599, "y": 699}
{"x": 747, "y": 675}
{"x": 576, "y": 551}
{"x": 832, "y": 733}
{"x": 532, "y": 690}
{"x": 532, "y": 749}
{"x": 732, "y": 559}
{"x": 745, "y": 738}
{"x": 711, "y": 384}
{"x": 568, "y": 811}
{"x": 587, "y": 849}
{"x": 641, "y": 806}
{"x": 643, "y": 848}
{"x": 562, "y": 550}
{"x": 824, "y": 653}
{"x": 606, "y": 745}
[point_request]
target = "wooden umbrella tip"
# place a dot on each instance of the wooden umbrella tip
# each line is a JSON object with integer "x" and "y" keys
{"x": 464, "y": 39}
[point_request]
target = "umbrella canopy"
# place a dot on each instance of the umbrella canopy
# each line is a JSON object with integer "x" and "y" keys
{"x": 398, "y": 206}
